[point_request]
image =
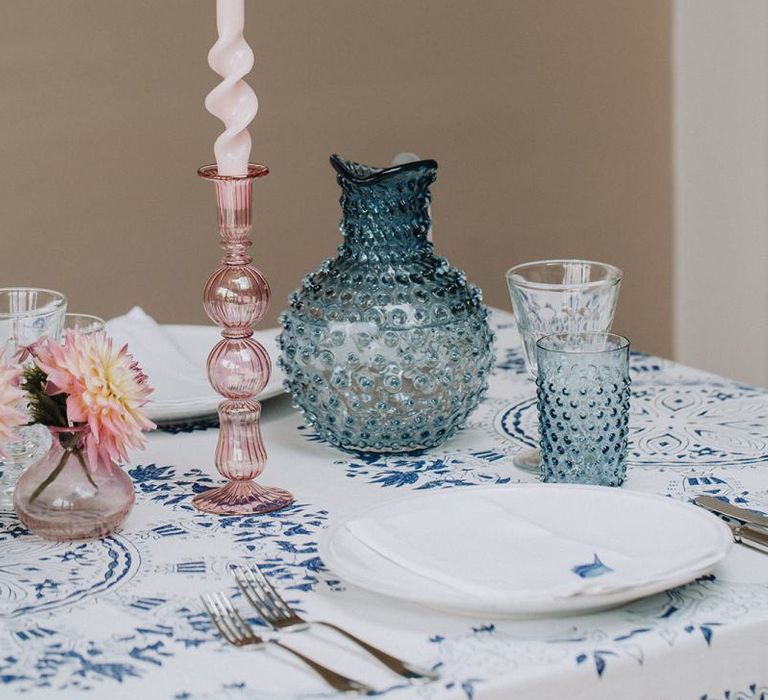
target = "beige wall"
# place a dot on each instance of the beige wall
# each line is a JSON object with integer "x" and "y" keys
{"x": 550, "y": 121}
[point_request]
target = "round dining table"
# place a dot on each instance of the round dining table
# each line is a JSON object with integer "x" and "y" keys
{"x": 122, "y": 617}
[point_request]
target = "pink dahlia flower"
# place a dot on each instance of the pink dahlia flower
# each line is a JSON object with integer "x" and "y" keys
{"x": 105, "y": 389}
{"x": 11, "y": 397}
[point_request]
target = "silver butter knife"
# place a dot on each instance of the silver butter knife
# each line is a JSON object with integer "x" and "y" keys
{"x": 746, "y": 534}
{"x": 750, "y": 517}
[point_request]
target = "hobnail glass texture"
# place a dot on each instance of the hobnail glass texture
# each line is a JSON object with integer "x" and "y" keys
{"x": 66, "y": 496}
{"x": 236, "y": 297}
{"x": 561, "y": 296}
{"x": 26, "y": 315}
{"x": 583, "y": 396}
{"x": 554, "y": 296}
{"x": 386, "y": 348}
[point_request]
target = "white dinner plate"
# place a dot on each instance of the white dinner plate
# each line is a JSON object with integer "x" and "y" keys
{"x": 196, "y": 342}
{"x": 671, "y": 541}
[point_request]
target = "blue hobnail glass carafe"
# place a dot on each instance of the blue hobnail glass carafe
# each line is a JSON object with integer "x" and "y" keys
{"x": 386, "y": 347}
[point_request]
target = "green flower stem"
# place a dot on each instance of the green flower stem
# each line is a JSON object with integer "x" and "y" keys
{"x": 51, "y": 477}
{"x": 81, "y": 459}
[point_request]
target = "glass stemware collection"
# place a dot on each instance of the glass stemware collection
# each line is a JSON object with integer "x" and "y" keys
{"x": 83, "y": 323}
{"x": 26, "y": 315}
{"x": 557, "y": 296}
{"x": 563, "y": 309}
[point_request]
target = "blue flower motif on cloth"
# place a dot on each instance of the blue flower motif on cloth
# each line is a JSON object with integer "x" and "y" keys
{"x": 162, "y": 485}
{"x": 158, "y": 634}
{"x": 155, "y": 573}
{"x": 423, "y": 472}
{"x": 641, "y": 364}
{"x": 599, "y": 657}
{"x": 756, "y": 691}
{"x": 721, "y": 483}
{"x": 510, "y": 360}
{"x": 592, "y": 570}
{"x": 38, "y": 576}
{"x": 601, "y": 642}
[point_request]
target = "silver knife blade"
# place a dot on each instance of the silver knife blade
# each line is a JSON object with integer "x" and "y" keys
{"x": 722, "y": 508}
{"x": 751, "y": 536}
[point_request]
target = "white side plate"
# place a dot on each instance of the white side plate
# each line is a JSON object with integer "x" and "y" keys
{"x": 640, "y": 524}
{"x": 196, "y": 342}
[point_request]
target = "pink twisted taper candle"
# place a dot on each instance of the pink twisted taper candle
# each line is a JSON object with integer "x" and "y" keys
{"x": 236, "y": 294}
{"x": 232, "y": 100}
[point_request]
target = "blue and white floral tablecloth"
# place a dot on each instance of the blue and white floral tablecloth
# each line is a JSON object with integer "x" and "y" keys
{"x": 122, "y": 618}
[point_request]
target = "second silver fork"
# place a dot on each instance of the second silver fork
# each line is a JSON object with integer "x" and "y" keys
{"x": 234, "y": 629}
{"x": 280, "y": 616}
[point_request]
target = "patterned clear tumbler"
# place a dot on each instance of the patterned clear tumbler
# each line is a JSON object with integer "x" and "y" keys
{"x": 583, "y": 391}
{"x": 559, "y": 296}
{"x": 26, "y": 315}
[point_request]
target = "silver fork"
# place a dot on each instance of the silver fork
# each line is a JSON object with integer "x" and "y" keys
{"x": 239, "y": 633}
{"x": 279, "y": 615}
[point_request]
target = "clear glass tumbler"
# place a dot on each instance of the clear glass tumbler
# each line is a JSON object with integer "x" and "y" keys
{"x": 83, "y": 323}
{"x": 556, "y": 296}
{"x": 26, "y": 314}
{"x": 583, "y": 392}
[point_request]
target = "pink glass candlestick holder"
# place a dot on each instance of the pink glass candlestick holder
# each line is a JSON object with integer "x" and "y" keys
{"x": 236, "y": 297}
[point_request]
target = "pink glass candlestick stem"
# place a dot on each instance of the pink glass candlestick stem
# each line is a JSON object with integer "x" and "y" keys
{"x": 236, "y": 297}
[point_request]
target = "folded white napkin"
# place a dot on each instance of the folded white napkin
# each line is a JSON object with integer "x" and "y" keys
{"x": 475, "y": 544}
{"x": 176, "y": 364}
{"x": 178, "y": 380}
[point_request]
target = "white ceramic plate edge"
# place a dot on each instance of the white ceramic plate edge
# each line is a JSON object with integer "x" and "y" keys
{"x": 532, "y": 607}
{"x": 207, "y": 407}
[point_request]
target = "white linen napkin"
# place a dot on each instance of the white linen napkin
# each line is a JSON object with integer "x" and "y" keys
{"x": 476, "y": 545}
{"x": 178, "y": 381}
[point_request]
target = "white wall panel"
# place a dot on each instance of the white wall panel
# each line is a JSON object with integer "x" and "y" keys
{"x": 720, "y": 86}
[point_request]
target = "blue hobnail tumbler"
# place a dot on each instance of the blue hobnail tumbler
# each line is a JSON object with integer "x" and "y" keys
{"x": 386, "y": 347}
{"x": 583, "y": 396}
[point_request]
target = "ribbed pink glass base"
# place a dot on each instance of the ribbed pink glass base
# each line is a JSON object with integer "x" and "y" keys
{"x": 235, "y": 298}
{"x": 242, "y": 498}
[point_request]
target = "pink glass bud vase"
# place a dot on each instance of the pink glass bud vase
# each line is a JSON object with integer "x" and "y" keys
{"x": 236, "y": 297}
{"x": 66, "y": 495}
